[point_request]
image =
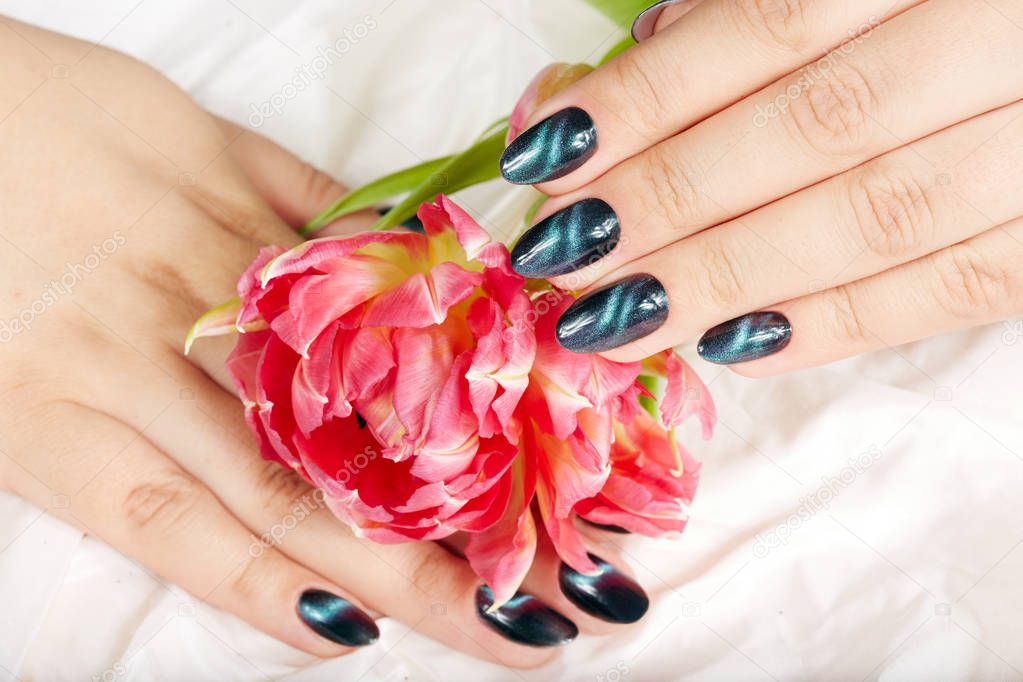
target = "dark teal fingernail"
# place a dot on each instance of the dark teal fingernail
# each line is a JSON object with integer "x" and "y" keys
{"x": 525, "y": 620}
{"x": 572, "y": 238}
{"x": 607, "y": 527}
{"x": 337, "y": 619}
{"x": 643, "y": 26}
{"x": 613, "y": 316}
{"x": 745, "y": 338}
{"x": 552, "y": 148}
{"x": 609, "y": 594}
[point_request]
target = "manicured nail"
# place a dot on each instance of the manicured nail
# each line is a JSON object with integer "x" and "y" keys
{"x": 337, "y": 619}
{"x": 613, "y": 316}
{"x": 643, "y": 26}
{"x": 608, "y": 528}
{"x": 609, "y": 594}
{"x": 745, "y": 338}
{"x": 552, "y": 148}
{"x": 525, "y": 620}
{"x": 572, "y": 238}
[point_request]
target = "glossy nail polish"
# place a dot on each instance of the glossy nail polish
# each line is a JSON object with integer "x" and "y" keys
{"x": 613, "y": 316}
{"x": 525, "y": 620}
{"x": 337, "y": 619}
{"x": 609, "y": 594}
{"x": 643, "y": 26}
{"x": 745, "y": 338}
{"x": 552, "y": 148}
{"x": 568, "y": 240}
{"x": 607, "y": 528}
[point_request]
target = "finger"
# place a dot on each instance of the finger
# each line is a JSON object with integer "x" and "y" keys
{"x": 854, "y": 104}
{"x": 419, "y": 584}
{"x": 898, "y": 207}
{"x": 659, "y": 16}
{"x": 295, "y": 190}
{"x": 674, "y": 80}
{"x": 600, "y": 603}
{"x": 976, "y": 282}
{"x": 126, "y": 492}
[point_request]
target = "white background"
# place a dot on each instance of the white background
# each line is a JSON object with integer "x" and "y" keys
{"x": 860, "y": 521}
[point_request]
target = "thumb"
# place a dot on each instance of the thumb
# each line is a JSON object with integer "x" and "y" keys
{"x": 295, "y": 190}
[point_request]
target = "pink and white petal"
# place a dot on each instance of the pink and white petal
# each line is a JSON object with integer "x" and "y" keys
{"x": 567, "y": 541}
{"x": 470, "y": 235}
{"x": 215, "y": 322}
{"x": 421, "y": 300}
{"x": 572, "y": 469}
{"x": 323, "y": 255}
{"x": 685, "y": 395}
{"x": 317, "y": 301}
{"x": 503, "y": 554}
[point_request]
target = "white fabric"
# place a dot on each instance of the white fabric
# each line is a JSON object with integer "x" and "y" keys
{"x": 859, "y": 521}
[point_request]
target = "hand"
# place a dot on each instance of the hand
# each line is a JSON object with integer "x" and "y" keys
{"x": 128, "y": 212}
{"x": 724, "y": 175}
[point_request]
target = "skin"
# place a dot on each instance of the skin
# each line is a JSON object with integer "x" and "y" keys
{"x": 106, "y": 425}
{"x": 873, "y": 195}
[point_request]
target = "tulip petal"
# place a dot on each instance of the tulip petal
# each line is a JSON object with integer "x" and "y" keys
{"x": 503, "y": 554}
{"x": 685, "y": 394}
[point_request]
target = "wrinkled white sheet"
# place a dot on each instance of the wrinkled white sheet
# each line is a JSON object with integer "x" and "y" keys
{"x": 859, "y": 521}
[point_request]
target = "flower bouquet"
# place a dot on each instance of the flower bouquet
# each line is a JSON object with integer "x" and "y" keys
{"x": 416, "y": 380}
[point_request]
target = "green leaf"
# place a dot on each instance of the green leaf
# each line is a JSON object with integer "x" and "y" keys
{"x": 478, "y": 163}
{"x": 649, "y": 404}
{"x": 375, "y": 192}
{"x": 622, "y": 12}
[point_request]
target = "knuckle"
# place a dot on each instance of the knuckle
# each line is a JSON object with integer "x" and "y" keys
{"x": 674, "y": 189}
{"x": 842, "y": 319}
{"x": 252, "y": 579}
{"x": 779, "y": 23}
{"x": 426, "y": 575}
{"x": 973, "y": 286}
{"x": 832, "y": 108}
{"x": 720, "y": 281}
{"x": 893, "y": 212}
{"x": 281, "y": 489}
{"x": 320, "y": 188}
{"x": 646, "y": 101}
{"x": 162, "y": 504}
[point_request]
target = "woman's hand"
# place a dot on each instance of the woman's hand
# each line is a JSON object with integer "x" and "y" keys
{"x": 127, "y": 212}
{"x": 724, "y": 175}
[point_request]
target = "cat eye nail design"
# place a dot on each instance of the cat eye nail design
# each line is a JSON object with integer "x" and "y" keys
{"x": 525, "y": 620}
{"x": 745, "y": 338}
{"x": 613, "y": 316}
{"x": 337, "y": 619}
{"x": 551, "y": 149}
{"x": 572, "y": 238}
{"x": 609, "y": 594}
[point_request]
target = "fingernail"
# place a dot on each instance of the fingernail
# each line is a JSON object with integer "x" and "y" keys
{"x": 525, "y": 620}
{"x": 552, "y": 148}
{"x": 608, "y": 528}
{"x": 613, "y": 316}
{"x": 609, "y": 594}
{"x": 643, "y": 26}
{"x": 572, "y": 238}
{"x": 745, "y": 338}
{"x": 337, "y": 619}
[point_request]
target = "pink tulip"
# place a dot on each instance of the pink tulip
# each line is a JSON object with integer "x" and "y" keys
{"x": 416, "y": 380}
